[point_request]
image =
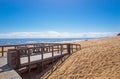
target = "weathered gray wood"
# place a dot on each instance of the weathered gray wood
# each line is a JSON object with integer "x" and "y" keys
{"x": 13, "y": 59}
{"x": 61, "y": 46}
{"x": 39, "y": 55}
{"x": 12, "y": 74}
{"x": 68, "y": 48}
{"x": 33, "y": 54}
{"x": 3, "y": 64}
{"x": 2, "y": 51}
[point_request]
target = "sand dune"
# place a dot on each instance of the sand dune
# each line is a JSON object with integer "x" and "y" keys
{"x": 98, "y": 59}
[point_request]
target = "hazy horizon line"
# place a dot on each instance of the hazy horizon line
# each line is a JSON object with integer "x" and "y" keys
{"x": 55, "y": 34}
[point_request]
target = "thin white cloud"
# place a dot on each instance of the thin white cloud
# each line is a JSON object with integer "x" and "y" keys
{"x": 54, "y": 34}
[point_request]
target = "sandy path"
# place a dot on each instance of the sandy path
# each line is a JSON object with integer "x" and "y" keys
{"x": 98, "y": 59}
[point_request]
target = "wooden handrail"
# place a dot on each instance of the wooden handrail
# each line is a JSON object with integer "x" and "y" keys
{"x": 46, "y": 46}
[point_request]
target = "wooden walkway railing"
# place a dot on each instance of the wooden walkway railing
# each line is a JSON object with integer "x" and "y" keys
{"x": 39, "y": 55}
{"x": 4, "y": 48}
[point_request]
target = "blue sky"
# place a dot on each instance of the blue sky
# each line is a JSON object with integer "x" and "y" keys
{"x": 59, "y": 18}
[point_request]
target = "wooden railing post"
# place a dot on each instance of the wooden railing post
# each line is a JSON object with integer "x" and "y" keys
{"x": 42, "y": 51}
{"x": 18, "y": 59}
{"x": 68, "y": 49}
{"x": 2, "y": 51}
{"x": 15, "y": 47}
{"x": 49, "y": 49}
{"x": 52, "y": 51}
{"x": 28, "y": 59}
{"x": 58, "y": 48}
{"x": 52, "y": 58}
{"x": 61, "y": 48}
{"x": 13, "y": 58}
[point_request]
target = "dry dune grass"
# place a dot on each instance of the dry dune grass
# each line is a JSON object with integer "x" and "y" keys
{"x": 98, "y": 59}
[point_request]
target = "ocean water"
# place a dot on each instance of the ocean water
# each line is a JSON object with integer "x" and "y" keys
{"x": 38, "y": 40}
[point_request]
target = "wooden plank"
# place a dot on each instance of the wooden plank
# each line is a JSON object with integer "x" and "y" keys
{"x": 12, "y": 74}
{"x": 41, "y": 52}
{"x": 46, "y": 59}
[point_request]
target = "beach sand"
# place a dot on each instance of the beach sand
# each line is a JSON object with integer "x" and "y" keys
{"x": 98, "y": 59}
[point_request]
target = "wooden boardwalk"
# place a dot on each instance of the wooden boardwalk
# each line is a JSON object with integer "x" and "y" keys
{"x": 11, "y": 74}
{"x": 3, "y": 64}
{"x": 6, "y": 72}
{"x": 37, "y": 57}
{"x": 26, "y": 57}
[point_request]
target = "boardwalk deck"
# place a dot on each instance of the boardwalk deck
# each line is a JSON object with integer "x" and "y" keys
{"x": 24, "y": 60}
{"x": 3, "y": 64}
{"x": 6, "y": 72}
{"x": 11, "y": 74}
{"x": 37, "y": 55}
